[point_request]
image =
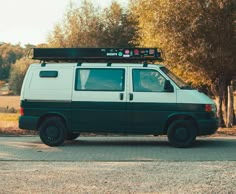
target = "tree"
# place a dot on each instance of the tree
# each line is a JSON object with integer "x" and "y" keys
{"x": 85, "y": 27}
{"x": 77, "y": 27}
{"x": 8, "y": 56}
{"x": 198, "y": 35}
{"x": 17, "y": 75}
{"x": 118, "y": 29}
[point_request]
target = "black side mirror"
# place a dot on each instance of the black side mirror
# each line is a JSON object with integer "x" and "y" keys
{"x": 168, "y": 87}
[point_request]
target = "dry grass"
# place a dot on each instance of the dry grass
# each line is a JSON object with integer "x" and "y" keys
{"x": 226, "y": 131}
{"x": 10, "y": 102}
{"x": 9, "y": 121}
{"x": 9, "y": 117}
{"x": 11, "y": 128}
{"x": 9, "y": 125}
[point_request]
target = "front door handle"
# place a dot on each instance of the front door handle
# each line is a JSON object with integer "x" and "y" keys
{"x": 121, "y": 96}
{"x": 131, "y": 96}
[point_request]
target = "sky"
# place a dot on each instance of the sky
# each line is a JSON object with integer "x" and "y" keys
{"x": 30, "y": 21}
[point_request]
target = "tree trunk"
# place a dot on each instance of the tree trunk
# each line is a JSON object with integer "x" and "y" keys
{"x": 230, "y": 107}
{"x": 219, "y": 90}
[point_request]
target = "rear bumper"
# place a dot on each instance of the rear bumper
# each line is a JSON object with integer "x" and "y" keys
{"x": 208, "y": 127}
{"x": 28, "y": 122}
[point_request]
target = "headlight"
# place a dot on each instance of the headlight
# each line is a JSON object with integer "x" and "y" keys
{"x": 210, "y": 108}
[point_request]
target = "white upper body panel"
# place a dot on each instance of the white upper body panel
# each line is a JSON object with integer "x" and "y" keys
{"x": 192, "y": 96}
{"x": 62, "y": 87}
{"x": 48, "y": 88}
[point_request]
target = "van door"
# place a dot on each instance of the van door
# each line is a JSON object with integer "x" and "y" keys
{"x": 149, "y": 103}
{"x": 99, "y": 99}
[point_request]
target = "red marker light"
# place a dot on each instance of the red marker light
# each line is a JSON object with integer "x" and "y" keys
{"x": 208, "y": 108}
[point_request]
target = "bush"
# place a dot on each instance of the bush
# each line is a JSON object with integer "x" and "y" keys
{"x": 17, "y": 74}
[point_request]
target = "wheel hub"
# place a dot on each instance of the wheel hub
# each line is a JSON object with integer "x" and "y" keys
{"x": 181, "y": 133}
{"x": 52, "y": 132}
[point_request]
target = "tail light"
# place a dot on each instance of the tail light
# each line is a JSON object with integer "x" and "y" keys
{"x": 21, "y": 111}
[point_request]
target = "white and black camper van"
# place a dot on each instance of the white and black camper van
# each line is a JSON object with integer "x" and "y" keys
{"x": 111, "y": 90}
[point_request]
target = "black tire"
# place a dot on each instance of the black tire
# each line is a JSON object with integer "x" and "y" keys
{"x": 182, "y": 133}
{"x": 72, "y": 136}
{"x": 52, "y": 131}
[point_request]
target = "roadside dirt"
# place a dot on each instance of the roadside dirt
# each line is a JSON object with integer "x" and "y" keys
{"x": 226, "y": 132}
{"x": 11, "y": 128}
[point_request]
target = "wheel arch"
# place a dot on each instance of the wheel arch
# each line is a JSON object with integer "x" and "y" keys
{"x": 52, "y": 114}
{"x": 179, "y": 116}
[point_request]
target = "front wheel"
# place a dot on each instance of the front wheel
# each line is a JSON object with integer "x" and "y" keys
{"x": 72, "y": 136}
{"x": 52, "y": 131}
{"x": 182, "y": 133}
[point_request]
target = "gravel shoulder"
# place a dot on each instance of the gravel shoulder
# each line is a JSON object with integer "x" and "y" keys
{"x": 118, "y": 177}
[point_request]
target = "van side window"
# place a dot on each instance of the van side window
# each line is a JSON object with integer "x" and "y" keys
{"x": 48, "y": 73}
{"x": 99, "y": 79}
{"x": 147, "y": 80}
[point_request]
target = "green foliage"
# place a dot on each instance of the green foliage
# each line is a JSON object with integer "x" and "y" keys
{"x": 17, "y": 74}
{"x": 77, "y": 28}
{"x": 8, "y": 56}
{"x": 84, "y": 26}
{"x": 198, "y": 34}
{"x": 198, "y": 38}
{"x": 117, "y": 29}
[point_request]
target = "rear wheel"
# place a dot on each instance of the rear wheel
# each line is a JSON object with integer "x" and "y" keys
{"x": 182, "y": 133}
{"x": 52, "y": 131}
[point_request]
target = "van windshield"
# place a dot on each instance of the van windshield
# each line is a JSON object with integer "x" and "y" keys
{"x": 179, "y": 82}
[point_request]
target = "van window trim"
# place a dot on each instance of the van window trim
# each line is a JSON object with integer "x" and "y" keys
{"x": 146, "y": 69}
{"x": 48, "y": 74}
{"x": 91, "y": 68}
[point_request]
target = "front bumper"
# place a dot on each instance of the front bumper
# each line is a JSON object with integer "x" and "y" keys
{"x": 208, "y": 127}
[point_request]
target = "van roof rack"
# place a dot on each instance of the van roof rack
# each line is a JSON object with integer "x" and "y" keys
{"x": 96, "y": 54}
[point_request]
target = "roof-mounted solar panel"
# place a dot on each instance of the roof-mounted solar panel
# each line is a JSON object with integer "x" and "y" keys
{"x": 96, "y": 54}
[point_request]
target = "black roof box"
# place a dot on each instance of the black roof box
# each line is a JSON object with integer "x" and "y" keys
{"x": 96, "y": 54}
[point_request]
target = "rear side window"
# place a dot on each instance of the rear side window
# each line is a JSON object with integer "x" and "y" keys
{"x": 99, "y": 79}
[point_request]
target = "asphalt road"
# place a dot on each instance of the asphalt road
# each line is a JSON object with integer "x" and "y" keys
{"x": 135, "y": 148}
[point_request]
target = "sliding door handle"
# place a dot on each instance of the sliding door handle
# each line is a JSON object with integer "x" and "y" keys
{"x": 131, "y": 96}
